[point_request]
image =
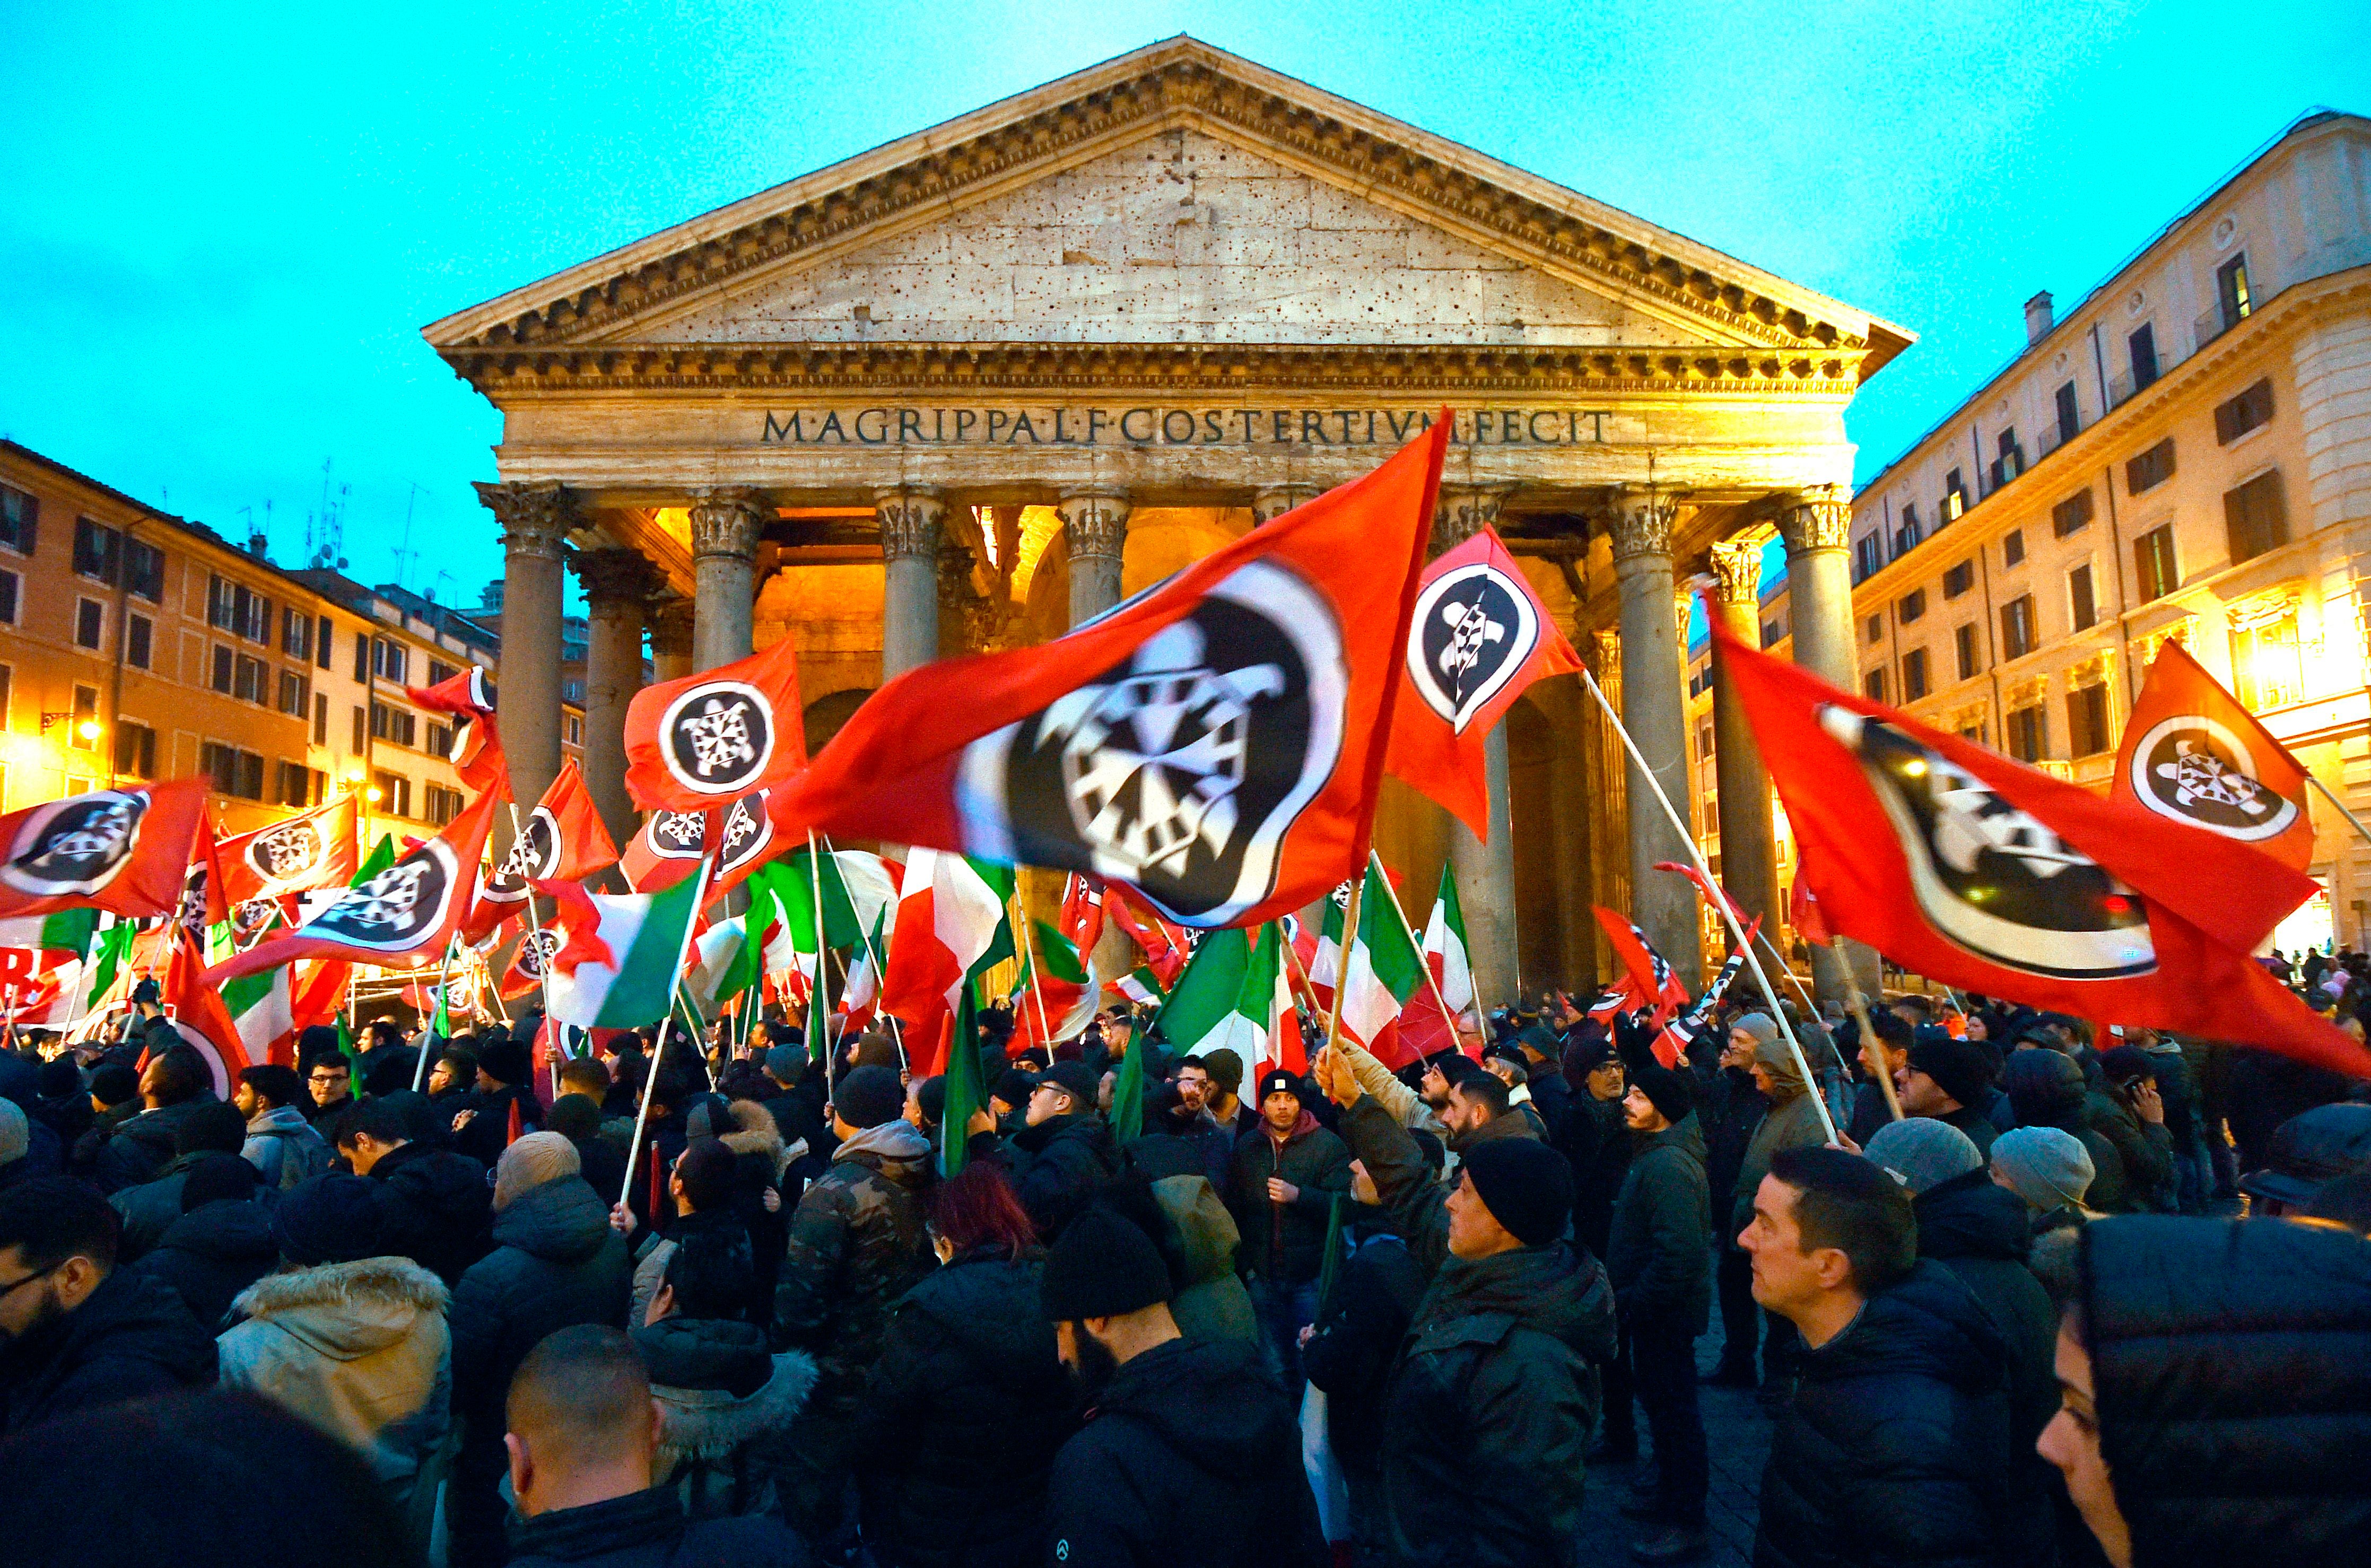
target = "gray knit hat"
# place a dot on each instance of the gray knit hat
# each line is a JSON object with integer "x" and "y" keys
{"x": 1760, "y": 1026}
{"x": 1924, "y": 1152}
{"x": 16, "y": 1134}
{"x": 2047, "y": 1168}
{"x": 534, "y": 1159}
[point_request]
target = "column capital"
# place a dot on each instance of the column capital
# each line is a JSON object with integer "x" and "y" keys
{"x": 908, "y": 517}
{"x": 1641, "y": 523}
{"x": 728, "y": 520}
{"x": 1095, "y": 520}
{"x": 1272, "y": 501}
{"x": 535, "y": 515}
{"x": 1605, "y": 646}
{"x": 1737, "y": 572}
{"x": 1815, "y": 519}
{"x": 615, "y": 576}
{"x": 670, "y": 622}
{"x": 1459, "y": 512}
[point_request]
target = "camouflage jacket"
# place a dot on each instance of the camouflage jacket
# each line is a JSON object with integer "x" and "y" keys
{"x": 857, "y": 1244}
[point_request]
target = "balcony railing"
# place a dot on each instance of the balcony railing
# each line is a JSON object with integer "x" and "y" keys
{"x": 2053, "y": 437}
{"x": 2217, "y": 321}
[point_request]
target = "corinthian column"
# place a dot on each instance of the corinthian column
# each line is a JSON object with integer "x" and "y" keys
{"x": 1654, "y": 710}
{"x": 670, "y": 623}
{"x": 535, "y": 519}
{"x": 1485, "y": 871}
{"x": 617, "y": 586}
{"x": 1749, "y": 865}
{"x": 908, "y": 516}
{"x": 1094, "y": 524}
{"x": 1272, "y": 501}
{"x": 727, "y": 521}
{"x": 1817, "y": 524}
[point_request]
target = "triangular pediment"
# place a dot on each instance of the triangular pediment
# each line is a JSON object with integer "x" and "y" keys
{"x": 1175, "y": 196}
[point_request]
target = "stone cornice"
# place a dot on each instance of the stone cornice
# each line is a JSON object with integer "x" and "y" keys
{"x": 1218, "y": 370}
{"x": 1182, "y": 81}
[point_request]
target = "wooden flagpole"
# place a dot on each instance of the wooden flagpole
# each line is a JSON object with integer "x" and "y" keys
{"x": 666, "y": 1026}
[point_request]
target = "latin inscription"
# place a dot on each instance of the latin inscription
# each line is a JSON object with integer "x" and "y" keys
{"x": 1157, "y": 426}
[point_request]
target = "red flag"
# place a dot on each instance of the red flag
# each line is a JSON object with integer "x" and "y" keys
{"x": 1165, "y": 944}
{"x": 1983, "y": 873}
{"x": 477, "y": 743}
{"x": 124, "y": 850}
{"x": 407, "y": 913}
{"x": 716, "y": 736}
{"x": 1215, "y": 742}
{"x": 320, "y": 991}
{"x": 1082, "y": 912}
{"x": 668, "y": 845}
{"x": 193, "y": 1000}
{"x": 297, "y": 854}
{"x": 562, "y": 840}
{"x": 1479, "y": 637}
{"x": 1648, "y": 972}
{"x": 2191, "y": 753}
{"x": 1804, "y": 914}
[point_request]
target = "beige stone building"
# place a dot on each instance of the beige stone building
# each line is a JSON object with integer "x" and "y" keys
{"x": 2187, "y": 454}
{"x": 965, "y": 390}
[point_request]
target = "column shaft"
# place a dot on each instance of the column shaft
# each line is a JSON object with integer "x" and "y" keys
{"x": 670, "y": 623}
{"x": 535, "y": 519}
{"x": 910, "y": 602}
{"x": 617, "y": 584}
{"x": 1654, "y": 711}
{"x": 1818, "y": 527}
{"x": 1749, "y": 863}
{"x": 726, "y": 523}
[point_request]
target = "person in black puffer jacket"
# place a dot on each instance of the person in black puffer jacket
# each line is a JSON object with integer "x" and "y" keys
{"x": 437, "y": 1204}
{"x": 2218, "y": 1384}
{"x": 962, "y": 1412}
{"x": 1894, "y": 1447}
{"x": 557, "y": 1261}
{"x": 221, "y": 1243}
{"x": 725, "y": 1405}
{"x": 1065, "y": 1151}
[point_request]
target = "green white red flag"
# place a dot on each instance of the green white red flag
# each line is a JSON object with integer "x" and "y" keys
{"x": 1234, "y": 997}
{"x": 949, "y": 916}
{"x": 620, "y": 955}
{"x": 1423, "y": 1030}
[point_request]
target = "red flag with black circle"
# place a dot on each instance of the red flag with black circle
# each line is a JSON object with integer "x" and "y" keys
{"x": 127, "y": 852}
{"x": 2193, "y": 754}
{"x": 709, "y": 739}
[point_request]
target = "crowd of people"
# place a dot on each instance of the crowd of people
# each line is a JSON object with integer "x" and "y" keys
{"x": 431, "y": 1300}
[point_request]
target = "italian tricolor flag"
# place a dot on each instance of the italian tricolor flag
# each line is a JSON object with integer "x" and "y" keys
{"x": 1422, "y": 1029}
{"x": 1234, "y": 997}
{"x": 1057, "y": 995}
{"x": 1380, "y": 970}
{"x": 615, "y": 967}
{"x": 950, "y": 917}
{"x": 67, "y": 931}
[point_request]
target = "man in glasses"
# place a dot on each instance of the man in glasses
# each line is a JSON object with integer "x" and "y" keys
{"x": 80, "y": 1334}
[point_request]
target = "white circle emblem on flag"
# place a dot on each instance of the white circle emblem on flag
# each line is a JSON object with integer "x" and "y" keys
{"x": 2192, "y": 768}
{"x": 535, "y": 951}
{"x": 1475, "y": 632}
{"x": 534, "y": 856}
{"x": 717, "y": 738}
{"x": 76, "y": 846}
{"x": 286, "y": 851}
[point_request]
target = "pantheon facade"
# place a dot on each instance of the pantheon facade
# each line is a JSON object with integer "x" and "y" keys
{"x": 966, "y": 389}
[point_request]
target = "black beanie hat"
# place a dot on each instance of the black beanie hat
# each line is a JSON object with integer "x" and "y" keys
{"x": 1076, "y": 1079}
{"x": 1103, "y": 1265}
{"x": 1664, "y": 1090}
{"x": 114, "y": 1083}
{"x": 1959, "y": 1070}
{"x": 330, "y": 1218}
{"x": 1013, "y": 1087}
{"x": 215, "y": 1176}
{"x": 868, "y": 1097}
{"x": 1526, "y": 1186}
{"x": 1281, "y": 1080}
{"x": 505, "y": 1061}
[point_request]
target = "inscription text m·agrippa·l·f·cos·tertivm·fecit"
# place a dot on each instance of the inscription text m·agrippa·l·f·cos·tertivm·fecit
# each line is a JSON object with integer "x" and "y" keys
{"x": 1115, "y": 425}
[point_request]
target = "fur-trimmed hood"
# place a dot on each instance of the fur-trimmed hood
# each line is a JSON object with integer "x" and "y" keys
{"x": 346, "y": 1310}
{"x": 707, "y": 1423}
{"x": 758, "y": 1135}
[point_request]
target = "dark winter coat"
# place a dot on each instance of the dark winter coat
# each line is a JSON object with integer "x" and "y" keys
{"x": 1056, "y": 1166}
{"x": 2231, "y": 1366}
{"x": 726, "y": 1408}
{"x": 1356, "y": 1339}
{"x": 1287, "y": 1241}
{"x": 1552, "y": 1097}
{"x": 437, "y": 1208}
{"x": 961, "y": 1419}
{"x": 1189, "y": 1459}
{"x": 857, "y": 1243}
{"x": 149, "y": 1209}
{"x": 2143, "y": 1152}
{"x": 648, "y": 1529}
{"x": 131, "y": 1338}
{"x": 142, "y": 1147}
{"x": 555, "y": 1264}
{"x": 1655, "y": 1257}
{"x": 488, "y": 1133}
{"x": 1732, "y": 1107}
{"x": 1895, "y": 1449}
{"x": 212, "y": 1253}
{"x": 1597, "y": 1178}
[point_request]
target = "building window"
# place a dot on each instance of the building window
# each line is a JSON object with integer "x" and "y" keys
{"x": 1867, "y": 554}
{"x": 2071, "y": 515}
{"x": 1772, "y": 631}
{"x": 234, "y": 772}
{"x": 139, "y": 641}
{"x": 394, "y": 793}
{"x": 1957, "y": 580}
{"x": 1907, "y": 534}
{"x": 90, "y": 624}
{"x": 363, "y": 657}
{"x": 2010, "y": 462}
{"x": 2029, "y": 733}
{"x": 572, "y": 691}
{"x": 389, "y": 659}
{"x": 2256, "y": 517}
{"x": 1872, "y": 685}
{"x": 217, "y": 602}
{"x": 296, "y": 633}
{"x": 1914, "y": 675}
{"x": 2082, "y": 606}
{"x": 292, "y": 693}
{"x": 1875, "y": 629}
{"x": 440, "y": 672}
{"x": 324, "y": 634}
{"x": 2013, "y": 548}
{"x": 2152, "y": 562}
{"x": 361, "y": 733}
{"x": 98, "y": 550}
{"x": 295, "y": 785}
{"x": 252, "y": 682}
{"x": 2231, "y": 291}
{"x": 2243, "y": 413}
{"x": 572, "y": 728}
{"x": 320, "y": 718}
{"x": 440, "y": 739}
{"x": 441, "y": 804}
{"x": 219, "y": 677}
{"x": 135, "y": 750}
{"x": 20, "y": 518}
{"x": 2070, "y": 414}
{"x": 1912, "y": 605}
{"x": 2141, "y": 346}
{"x": 2267, "y": 661}
{"x": 144, "y": 570}
{"x": 398, "y": 726}
{"x": 9, "y": 587}
{"x": 2017, "y": 628}
{"x": 2151, "y": 468}
{"x": 1955, "y": 497}
{"x": 1968, "y": 642}
{"x": 85, "y": 734}
{"x": 2087, "y": 720}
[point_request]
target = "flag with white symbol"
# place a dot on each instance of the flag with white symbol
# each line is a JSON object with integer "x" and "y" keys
{"x": 477, "y": 753}
{"x": 2193, "y": 754}
{"x": 717, "y": 736}
{"x": 124, "y": 850}
{"x": 297, "y": 854}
